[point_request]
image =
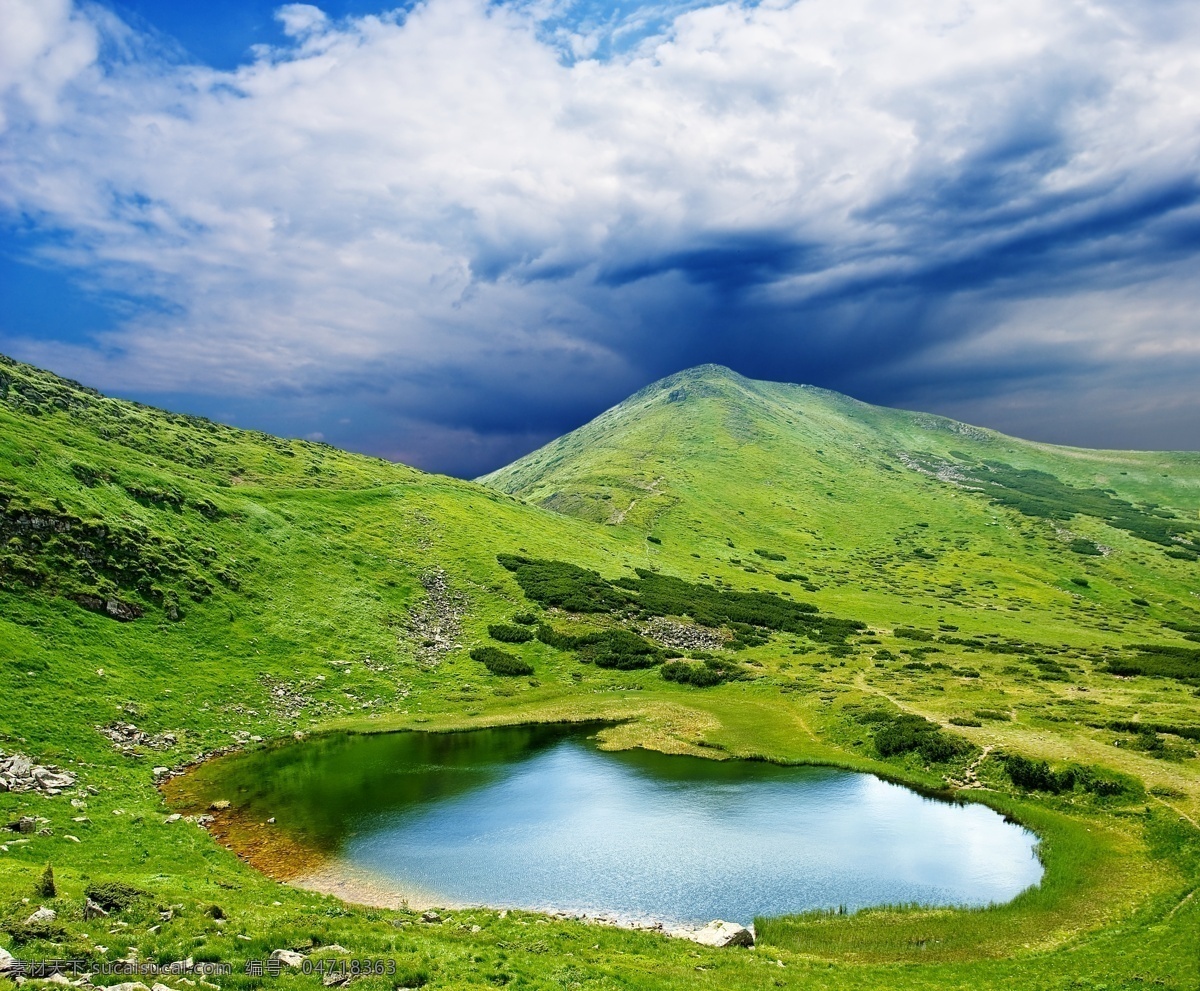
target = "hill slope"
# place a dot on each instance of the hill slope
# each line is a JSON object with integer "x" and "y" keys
{"x": 879, "y": 590}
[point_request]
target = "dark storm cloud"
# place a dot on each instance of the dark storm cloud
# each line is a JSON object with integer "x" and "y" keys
{"x": 447, "y": 234}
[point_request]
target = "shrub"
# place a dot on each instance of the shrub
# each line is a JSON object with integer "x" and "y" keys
{"x": 1082, "y": 546}
{"x": 525, "y": 618}
{"x": 509, "y": 634}
{"x": 500, "y": 662}
{"x": 114, "y": 896}
{"x": 46, "y": 887}
{"x": 1139, "y": 602}
{"x": 769, "y": 555}
{"x": 1081, "y": 582}
{"x": 654, "y": 540}
{"x": 910, "y": 633}
{"x": 711, "y": 671}
{"x": 622, "y": 650}
{"x": 899, "y": 733}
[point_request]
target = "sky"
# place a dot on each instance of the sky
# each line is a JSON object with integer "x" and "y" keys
{"x": 448, "y": 232}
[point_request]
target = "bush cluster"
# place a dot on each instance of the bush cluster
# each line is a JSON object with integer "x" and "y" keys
{"x": 114, "y": 896}
{"x": 897, "y": 733}
{"x": 617, "y": 649}
{"x": 708, "y": 672}
{"x": 509, "y": 634}
{"x": 1039, "y": 776}
{"x": 500, "y": 662}
{"x": 1159, "y": 661}
{"x": 1040, "y": 494}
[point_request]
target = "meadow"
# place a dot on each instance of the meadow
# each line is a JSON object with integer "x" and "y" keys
{"x": 718, "y": 567}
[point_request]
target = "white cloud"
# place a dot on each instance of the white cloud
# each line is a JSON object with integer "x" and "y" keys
{"x": 443, "y": 188}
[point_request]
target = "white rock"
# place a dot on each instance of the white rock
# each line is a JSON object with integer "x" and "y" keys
{"x": 289, "y": 958}
{"x": 719, "y": 933}
{"x": 7, "y": 962}
{"x": 173, "y": 817}
{"x": 43, "y": 914}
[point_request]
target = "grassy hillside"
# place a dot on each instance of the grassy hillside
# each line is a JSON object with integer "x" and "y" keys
{"x": 882, "y": 590}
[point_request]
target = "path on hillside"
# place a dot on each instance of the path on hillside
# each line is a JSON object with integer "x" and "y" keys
{"x": 652, "y": 489}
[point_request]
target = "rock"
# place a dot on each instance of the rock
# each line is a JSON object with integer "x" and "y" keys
{"x": 93, "y": 910}
{"x": 430, "y": 916}
{"x": 73, "y": 839}
{"x": 43, "y": 914}
{"x": 57, "y": 978}
{"x": 289, "y": 958}
{"x": 160, "y": 772}
{"x": 719, "y": 933}
{"x": 7, "y": 962}
{"x": 20, "y": 773}
{"x": 335, "y": 978}
{"x": 173, "y": 817}
{"x": 128, "y": 986}
{"x": 160, "y": 987}
{"x": 220, "y": 805}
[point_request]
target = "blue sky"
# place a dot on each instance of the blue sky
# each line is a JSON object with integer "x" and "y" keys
{"x": 450, "y": 231}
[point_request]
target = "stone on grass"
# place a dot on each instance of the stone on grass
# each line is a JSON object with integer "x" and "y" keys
{"x": 289, "y": 958}
{"x": 719, "y": 933}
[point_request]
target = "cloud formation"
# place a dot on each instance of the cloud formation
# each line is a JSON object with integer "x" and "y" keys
{"x": 461, "y": 223}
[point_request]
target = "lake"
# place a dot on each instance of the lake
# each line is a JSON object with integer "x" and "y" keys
{"x": 538, "y": 817}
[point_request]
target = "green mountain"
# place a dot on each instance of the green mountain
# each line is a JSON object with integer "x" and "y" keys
{"x": 715, "y": 566}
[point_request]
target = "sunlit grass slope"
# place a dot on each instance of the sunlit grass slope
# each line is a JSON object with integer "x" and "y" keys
{"x": 212, "y": 586}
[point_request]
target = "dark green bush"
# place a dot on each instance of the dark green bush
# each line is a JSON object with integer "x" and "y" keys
{"x": 46, "y": 887}
{"x": 911, "y": 633}
{"x": 553, "y": 583}
{"x": 898, "y": 733}
{"x": 509, "y": 634}
{"x": 556, "y": 583}
{"x": 500, "y": 661}
{"x": 654, "y": 540}
{"x": 711, "y": 671}
{"x": 1082, "y": 546}
{"x": 1159, "y": 661}
{"x": 1039, "y": 776}
{"x": 114, "y": 896}
{"x": 622, "y": 650}
{"x": 769, "y": 555}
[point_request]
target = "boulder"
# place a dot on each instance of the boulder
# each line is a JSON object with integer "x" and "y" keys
{"x": 43, "y": 914}
{"x": 719, "y": 933}
{"x": 7, "y": 962}
{"x": 93, "y": 910}
{"x": 289, "y": 958}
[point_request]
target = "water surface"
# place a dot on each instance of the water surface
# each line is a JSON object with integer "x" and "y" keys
{"x": 538, "y": 817}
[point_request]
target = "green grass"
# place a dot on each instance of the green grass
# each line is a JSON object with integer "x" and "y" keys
{"x": 285, "y": 587}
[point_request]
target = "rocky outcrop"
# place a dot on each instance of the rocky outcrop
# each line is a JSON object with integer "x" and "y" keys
{"x": 127, "y": 738}
{"x": 20, "y": 773}
{"x": 685, "y": 636}
{"x": 435, "y": 625}
{"x": 720, "y": 934}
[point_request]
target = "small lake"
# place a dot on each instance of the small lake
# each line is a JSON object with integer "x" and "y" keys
{"x": 538, "y": 817}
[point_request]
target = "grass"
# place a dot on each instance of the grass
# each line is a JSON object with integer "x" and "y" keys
{"x": 288, "y": 588}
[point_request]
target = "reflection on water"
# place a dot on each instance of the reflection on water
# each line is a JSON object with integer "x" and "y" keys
{"x": 537, "y": 817}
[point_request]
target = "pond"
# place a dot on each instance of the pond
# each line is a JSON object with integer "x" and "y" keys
{"x": 538, "y": 817}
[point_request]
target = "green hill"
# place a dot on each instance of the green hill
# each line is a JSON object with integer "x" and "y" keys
{"x": 716, "y": 566}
